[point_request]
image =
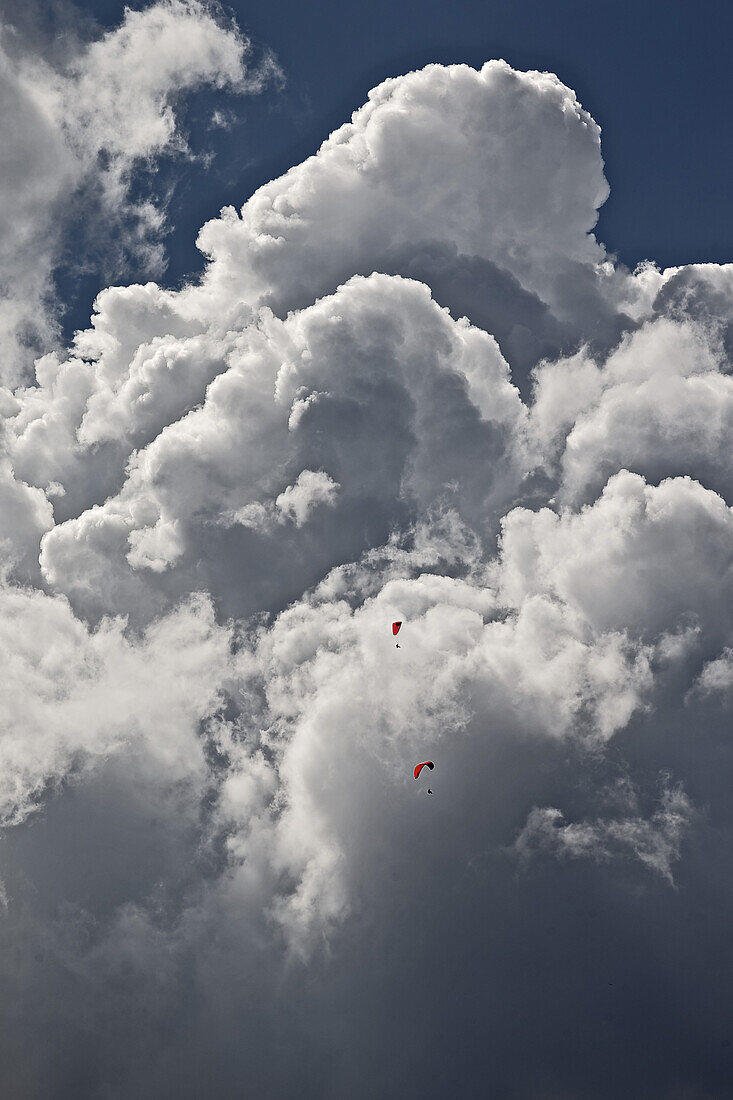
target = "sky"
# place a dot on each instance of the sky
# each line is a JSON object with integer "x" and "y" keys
{"x": 314, "y": 320}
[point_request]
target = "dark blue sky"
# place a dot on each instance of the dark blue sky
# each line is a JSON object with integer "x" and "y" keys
{"x": 655, "y": 76}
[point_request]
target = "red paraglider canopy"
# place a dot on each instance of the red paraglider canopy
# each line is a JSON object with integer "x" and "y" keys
{"x": 396, "y": 627}
{"x": 425, "y": 764}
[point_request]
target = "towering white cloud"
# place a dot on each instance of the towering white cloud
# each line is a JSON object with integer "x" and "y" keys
{"x": 431, "y": 158}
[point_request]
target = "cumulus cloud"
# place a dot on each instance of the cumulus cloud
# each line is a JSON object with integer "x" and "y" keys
{"x": 717, "y": 675}
{"x": 81, "y": 696}
{"x": 430, "y": 157}
{"x": 410, "y": 385}
{"x": 375, "y": 387}
{"x": 75, "y": 135}
{"x": 659, "y": 405}
{"x": 655, "y": 841}
{"x": 311, "y": 489}
{"x": 644, "y": 558}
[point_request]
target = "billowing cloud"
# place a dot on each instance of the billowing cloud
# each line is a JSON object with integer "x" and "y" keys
{"x": 410, "y": 384}
{"x": 311, "y": 489}
{"x": 659, "y": 405}
{"x": 73, "y": 698}
{"x": 74, "y": 136}
{"x": 428, "y": 180}
{"x": 375, "y": 387}
{"x": 655, "y": 841}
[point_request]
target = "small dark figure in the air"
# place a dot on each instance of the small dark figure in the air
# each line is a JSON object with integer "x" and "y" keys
{"x": 429, "y": 791}
{"x": 397, "y": 647}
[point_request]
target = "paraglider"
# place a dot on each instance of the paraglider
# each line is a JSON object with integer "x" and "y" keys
{"x": 396, "y": 630}
{"x": 419, "y": 767}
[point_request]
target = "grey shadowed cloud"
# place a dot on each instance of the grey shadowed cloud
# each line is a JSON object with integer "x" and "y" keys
{"x": 412, "y": 385}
